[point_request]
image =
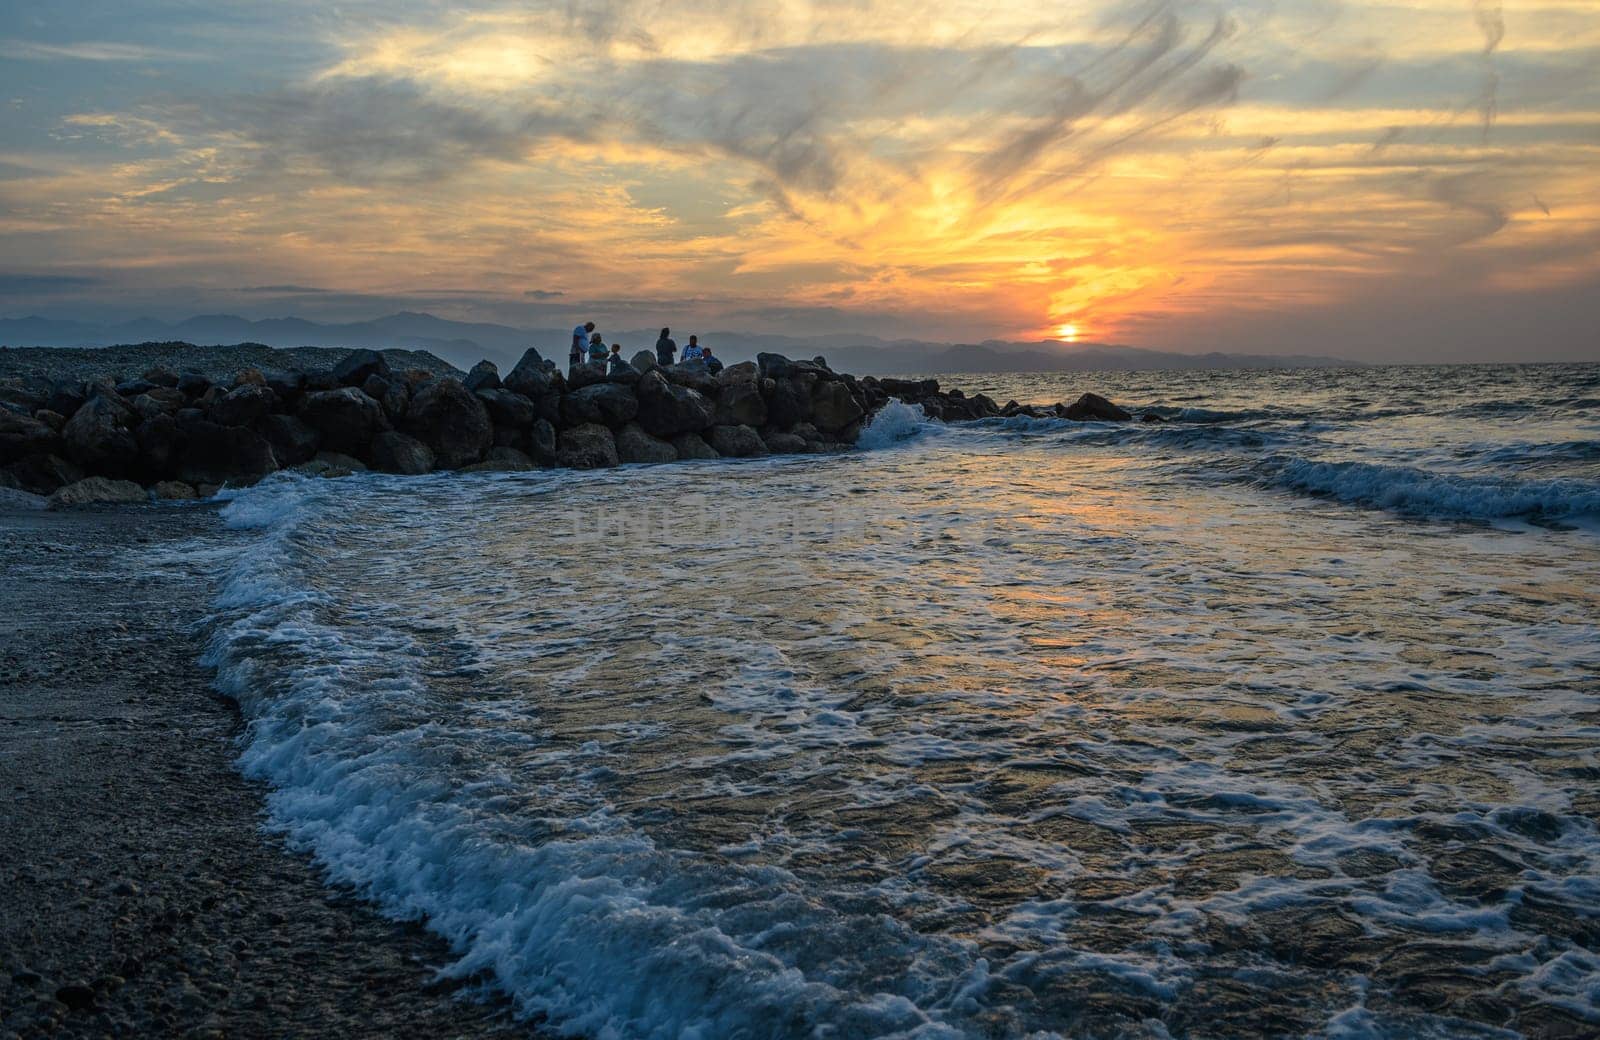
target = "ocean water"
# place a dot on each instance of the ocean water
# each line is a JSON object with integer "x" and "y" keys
{"x": 1281, "y": 718}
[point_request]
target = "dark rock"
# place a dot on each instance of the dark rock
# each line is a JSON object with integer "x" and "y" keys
{"x": 131, "y": 388}
{"x": 643, "y": 361}
{"x": 832, "y": 406}
{"x": 393, "y": 394}
{"x": 1093, "y": 406}
{"x": 244, "y": 405}
{"x": 626, "y": 375}
{"x": 607, "y": 403}
{"x": 358, "y": 365}
{"x": 666, "y": 410}
{"x": 781, "y": 443}
{"x": 97, "y": 491}
{"x": 76, "y": 995}
{"x": 22, "y": 435}
{"x": 22, "y": 400}
{"x": 542, "y": 442}
{"x": 451, "y": 421}
{"x": 911, "y": 391}
{"x": 502, "y": 460}
{"x": 396, "y": 452}
{"x": 347, "y": 418}
{"x": 319, "y": 381}
{"x": 788, "y": 402}
{"x": 508, "y": 408}
{"x": 193, "y": 384}
{"x": 55, "y": 420}
{"x": 773, "y": 366}
{"x": 215, "y": 454}
{"x": 985, "y": 405}
{"x": 287, "y": 383}
{"x": 163, "y": 400}
{"x": 693, "y": 446}
{"x": 249, "y": 377}
{"x": 743, "y": 372}
{"x": 741, "y": 404}
{"x": 98, "y": 436}
{"x": 634, "y": 445}
{"x": 161, "y": 441}
{"x": 293, "y": 439}
{"x": 530, "y": 378}
{"x": 586, "y": 374}
{"x": 736, "y": 441}
{"x": 588, "y": 446}
{"x": 484, "y": 376}
{"x": 693, "y": 375}
{"x": 162, "y": 377}
{"x": 66, "y": 397}
{"x": 172, "y": 491}
{"x": 549, "y": 406}
{"x": 1152, "y": 417}
{"x": 42, "y": 474}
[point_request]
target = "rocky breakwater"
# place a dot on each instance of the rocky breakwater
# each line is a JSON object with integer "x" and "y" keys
{"x": 179, "y": 435}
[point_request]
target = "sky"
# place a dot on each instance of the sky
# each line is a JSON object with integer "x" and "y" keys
{"x": 1406, "y": 181}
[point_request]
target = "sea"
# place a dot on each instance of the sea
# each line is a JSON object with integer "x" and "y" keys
{"x": 1280, "y": 717}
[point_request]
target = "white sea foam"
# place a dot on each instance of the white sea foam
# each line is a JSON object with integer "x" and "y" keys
{"x": 893, "y": 423}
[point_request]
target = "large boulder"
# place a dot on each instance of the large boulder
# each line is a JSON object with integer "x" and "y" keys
{"x": 508, "y": 408}
{"x": 161, "y": 442}
{"x": 911, "y": 391}
{"x": 396, "y": 452}
{"x": 161, "y": 376}
{"x": 789, "y": 401}
{"x": 743, "y": 372}
{"x": 393, "y": 394}
{"x": 691, "y": 374}
{"x": 736, "y": 441}
{"x": 693, "y": 446}
{"x": 451, "y": 421}
{"x": 358, "y": 365}
{"x": 484, "y": 376}
{"x": 287, "y": 383}
{"x": 832, "y": 406}
{"x": 643, "y": 361}
{"x": 666, "y": 410}
{"x": 347, "y": 418}
{"x": 95, "y": 491}
{"x": 215, "y": 454}
{"x": 244, "y": 405}
{"x": 741, "y": 404}
{"x": 66, "y": 397}
{"x": 42, "y": 474}
{"x": 780, "y": 442}
{"x": 22, "y": 435}
{"x": 531, "y": 377}
{"x": 609, "y": 403}
{"x": 588, "y": 446}
{"x": 586, "y": 374}
{"x": 1093, "y": 406}
{"x": 502, "y": 460}
{"x": 541, "y": 442}
{"x": 193, "y": 384}
{"x": 634, "y": 445}
{"x": 293, "y": 439}
{"x": 163, "y": 400}
{"x": 98, "y": 435}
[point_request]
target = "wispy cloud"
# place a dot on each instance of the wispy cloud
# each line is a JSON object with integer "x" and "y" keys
{"x": 35, "y": 50}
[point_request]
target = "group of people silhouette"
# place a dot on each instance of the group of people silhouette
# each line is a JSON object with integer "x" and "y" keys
{"x": 589, "y": 347}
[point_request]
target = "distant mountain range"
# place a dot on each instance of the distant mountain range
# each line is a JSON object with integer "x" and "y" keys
{"x": 464, "y": 343}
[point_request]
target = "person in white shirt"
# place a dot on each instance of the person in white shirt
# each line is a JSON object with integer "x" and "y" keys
{"x": 580, "y": 344}
{"x": 692, "y": 352}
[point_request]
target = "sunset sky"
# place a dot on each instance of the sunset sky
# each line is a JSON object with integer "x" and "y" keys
{"x": 1411, "y": 181}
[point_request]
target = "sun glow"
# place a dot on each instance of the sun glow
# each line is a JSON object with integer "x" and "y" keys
{"x": 1067, "y": 333}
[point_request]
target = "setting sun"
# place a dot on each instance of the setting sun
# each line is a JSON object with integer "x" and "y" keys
{"x": 1067, "y": 333}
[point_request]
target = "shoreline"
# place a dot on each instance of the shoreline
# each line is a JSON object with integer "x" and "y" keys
{"x": 141, "y": 894}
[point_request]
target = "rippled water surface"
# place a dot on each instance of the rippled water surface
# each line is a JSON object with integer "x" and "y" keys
{"x": 1280, "y": 718}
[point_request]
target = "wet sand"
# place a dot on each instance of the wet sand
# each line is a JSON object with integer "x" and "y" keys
{"x": 139, "y": 894}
